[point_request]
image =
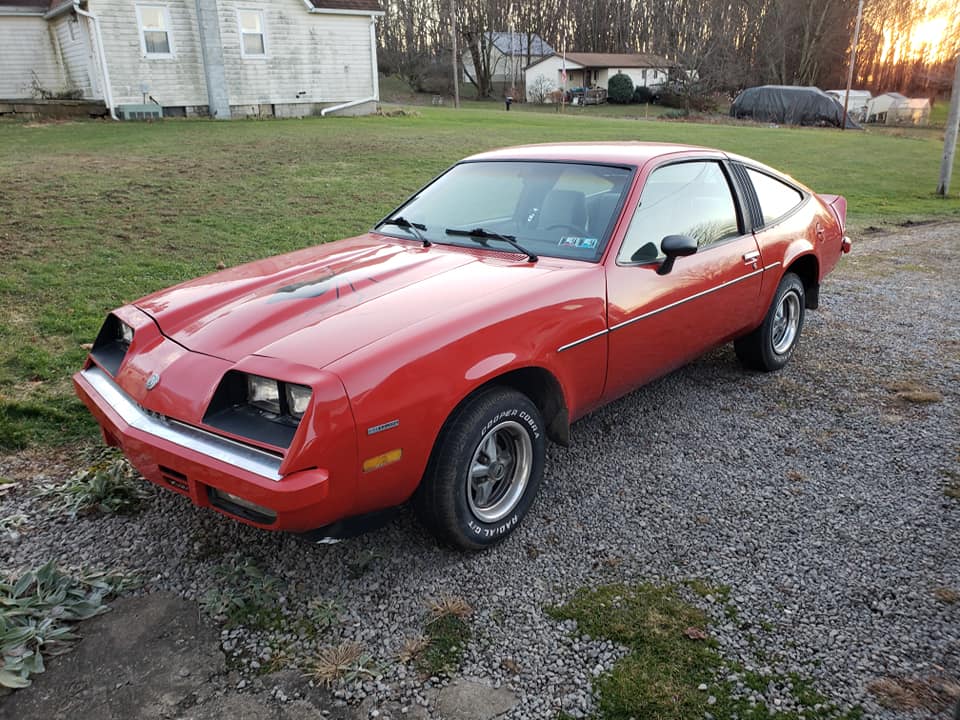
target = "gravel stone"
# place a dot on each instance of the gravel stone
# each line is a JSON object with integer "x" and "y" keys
{"x": 815, "y": 494}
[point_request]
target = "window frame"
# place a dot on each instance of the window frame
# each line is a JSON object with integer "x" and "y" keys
{"x": 760, "y": 223}
{"x": 736, "y": 195}
{"x": 168, "y": 29}
{"x": 263, "y": 34}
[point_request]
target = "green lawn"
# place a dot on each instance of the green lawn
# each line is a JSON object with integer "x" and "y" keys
{"x": 95, "y": 214}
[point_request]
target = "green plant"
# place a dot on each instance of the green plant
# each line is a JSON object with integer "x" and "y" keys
{"x": 348, "y": 662}
{"x": 643, "y": 95}
{"x": 620, "y": 89}
{"x": 37, "y": 613}
{"x": 109, "y": 485}
{"x": 447, "y": 637}
{"x": 323, "y": 614}
{"x": 245, "y": 595}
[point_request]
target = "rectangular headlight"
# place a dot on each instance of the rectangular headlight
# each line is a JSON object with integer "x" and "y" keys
{"x": 298, "y": 398}
{"x": 263, "y": 394}
{"x": 125, "y": 333}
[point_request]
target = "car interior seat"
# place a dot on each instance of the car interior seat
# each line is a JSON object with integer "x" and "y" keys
{"x": 566, "y": 208}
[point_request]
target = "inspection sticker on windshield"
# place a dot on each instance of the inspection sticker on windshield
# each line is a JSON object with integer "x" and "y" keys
{"x": 584, "y": 243}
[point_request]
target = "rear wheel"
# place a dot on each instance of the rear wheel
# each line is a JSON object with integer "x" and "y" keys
{"x": 485, "y": 470}
{"x": 771, "y": 345}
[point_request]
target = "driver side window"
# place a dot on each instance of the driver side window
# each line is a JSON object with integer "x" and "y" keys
{"x": 690, "y": 198}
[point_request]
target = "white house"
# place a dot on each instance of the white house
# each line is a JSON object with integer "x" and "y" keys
{"x": 595, "y": 70}
{"x": 194, "y": 57}
{"x": 510, "y": 53}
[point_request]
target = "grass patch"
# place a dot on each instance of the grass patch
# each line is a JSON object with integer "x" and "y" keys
{"x": 109, "y": 485}
{"x": 446, "y": 636}
{"x": 348, "y": 662}
{"x": 673, "y": 670}
{"x": 95, "y": 215}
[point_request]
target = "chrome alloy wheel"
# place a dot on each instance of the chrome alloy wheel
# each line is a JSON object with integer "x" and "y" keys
{"x": 499, "y": 471}
{"x": 786, "y": 321}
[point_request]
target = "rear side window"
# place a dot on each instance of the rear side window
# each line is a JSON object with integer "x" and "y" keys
{"x": 776, "y": 198}
{"x": 691, "y": 198}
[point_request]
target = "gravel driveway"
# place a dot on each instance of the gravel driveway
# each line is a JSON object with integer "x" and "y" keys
{"x": 819, "y": 495}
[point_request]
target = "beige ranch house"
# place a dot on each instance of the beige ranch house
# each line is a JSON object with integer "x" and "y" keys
{"x": 225, "y": 58}
{"x": 595, "y": 70}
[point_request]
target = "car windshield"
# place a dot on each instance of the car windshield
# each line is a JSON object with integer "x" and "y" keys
{"x": 549, "y": 208}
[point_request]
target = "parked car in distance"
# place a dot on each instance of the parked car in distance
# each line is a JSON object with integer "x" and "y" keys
{"x": 430, "y": 359}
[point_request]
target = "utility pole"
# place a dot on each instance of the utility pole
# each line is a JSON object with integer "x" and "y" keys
{"x": 853, "y": 60}
{"x": 453, "y": 37}
{"x": 950, "y": 137}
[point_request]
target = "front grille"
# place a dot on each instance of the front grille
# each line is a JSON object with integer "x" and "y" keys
{"x": 175, "y": 479}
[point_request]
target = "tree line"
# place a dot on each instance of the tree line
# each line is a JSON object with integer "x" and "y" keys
{"x": 730, "y": 45}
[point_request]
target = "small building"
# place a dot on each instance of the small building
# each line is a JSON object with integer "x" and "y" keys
{"x": 510, "y": 53}
{"x": 590, "y": 70}
{"x": 857, "y": 106}
{"x": 224, "y": 58}
{"x": 896, "y": 109}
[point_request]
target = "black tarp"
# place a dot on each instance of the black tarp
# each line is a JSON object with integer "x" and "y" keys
{"x": 790, "y": 105}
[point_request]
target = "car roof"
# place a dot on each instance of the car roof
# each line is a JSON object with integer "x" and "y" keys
{"x": 618, "y": 153}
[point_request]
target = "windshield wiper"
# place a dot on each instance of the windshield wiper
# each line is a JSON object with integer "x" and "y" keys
{"x": 480, "y": 235}
{"x": 414, "y": 228}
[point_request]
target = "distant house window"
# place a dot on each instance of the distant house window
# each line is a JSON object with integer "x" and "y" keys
{"x": 252, "y": 38}
{"x": 154, "y": 23}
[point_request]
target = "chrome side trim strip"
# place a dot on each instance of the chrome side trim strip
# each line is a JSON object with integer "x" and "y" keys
{"x": 253, "y": 460}
{"x": 771, "y": 266}
{"x": 582, "y": 340}
{"x": 700, "y": 294}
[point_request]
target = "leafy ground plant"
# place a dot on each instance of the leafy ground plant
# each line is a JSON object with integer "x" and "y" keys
{"x": 109, "y": 485}
{"x": 244, "y": 595}
{"x": 38, "y": 611}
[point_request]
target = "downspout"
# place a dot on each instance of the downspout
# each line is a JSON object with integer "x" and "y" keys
{"x": 98, "y": 39}
{"x": 375, "y": 76}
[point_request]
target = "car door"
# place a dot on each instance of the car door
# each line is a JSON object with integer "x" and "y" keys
{"x": 659, "y": 322}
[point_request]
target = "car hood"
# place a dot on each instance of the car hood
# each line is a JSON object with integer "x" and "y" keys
{"x": 318, "y": 304}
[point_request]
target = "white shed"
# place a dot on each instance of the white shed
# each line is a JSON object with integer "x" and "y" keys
{"x": 909, "y": 111}
{"x": 878, "y": 107}
{"x": 857, "y": 107}
{"x": 191, "y": 57}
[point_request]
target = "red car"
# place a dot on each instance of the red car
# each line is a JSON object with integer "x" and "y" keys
{"x": 431, "y": 358}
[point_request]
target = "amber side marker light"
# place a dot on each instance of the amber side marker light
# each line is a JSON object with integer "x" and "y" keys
{"x": 379, "y": 461}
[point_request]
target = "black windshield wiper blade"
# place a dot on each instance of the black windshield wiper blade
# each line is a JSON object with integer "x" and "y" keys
{"x": 481, "y": 235}
{"x": 415, "y": 228}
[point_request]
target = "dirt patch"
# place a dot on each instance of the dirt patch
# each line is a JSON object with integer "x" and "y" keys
{"x": 932, "y": 694}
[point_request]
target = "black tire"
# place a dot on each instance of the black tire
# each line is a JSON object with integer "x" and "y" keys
{"x": 770, "y": 346}
{"x": 476, "y": 510}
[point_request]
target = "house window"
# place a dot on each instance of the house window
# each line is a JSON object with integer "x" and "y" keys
{"x": 253, "y": 41}
{"x": 155, "y": 38}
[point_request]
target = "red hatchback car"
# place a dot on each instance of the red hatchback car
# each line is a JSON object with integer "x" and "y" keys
{"x": 431, "y": 358}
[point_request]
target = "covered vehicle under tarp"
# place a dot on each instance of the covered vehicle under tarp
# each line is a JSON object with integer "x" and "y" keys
{"x": 790, "y": 105}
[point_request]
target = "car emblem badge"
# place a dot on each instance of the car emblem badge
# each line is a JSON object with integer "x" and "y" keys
{"x": 153, "y": 381}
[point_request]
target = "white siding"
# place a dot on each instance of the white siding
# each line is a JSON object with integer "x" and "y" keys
{"x": 73, "y": 40}
{"x": 176, "y": 81}
{"x": 25, "y": 47}
{"x": 654, "y": 77}
{"x": 550, "y": 69}
{"x": 311, "y": 58}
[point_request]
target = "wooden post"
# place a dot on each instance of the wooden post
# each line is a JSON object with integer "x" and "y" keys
{"x": 453, "y": 36}
{"x": 853, "y": 59}
{"x": 950, "y": 137}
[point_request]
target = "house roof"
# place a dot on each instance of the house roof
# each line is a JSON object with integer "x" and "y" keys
{"x": 26, "y": 6}
{"x": 360, "y": 6}
{"x": 620, "y": 60}
{"x": 515, "y": 43}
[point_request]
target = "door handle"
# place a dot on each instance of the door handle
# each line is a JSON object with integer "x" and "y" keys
{"x": 751, "y": 258}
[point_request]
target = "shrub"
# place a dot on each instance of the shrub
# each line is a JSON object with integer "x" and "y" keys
{"x": 110, "y": 485}
{"x": 643, "y": 95}
{"x": 688, "y": 96}
{"x": 620, "y": 89}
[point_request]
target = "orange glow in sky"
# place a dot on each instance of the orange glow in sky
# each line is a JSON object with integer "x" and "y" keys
{"x": 924, "y": 41}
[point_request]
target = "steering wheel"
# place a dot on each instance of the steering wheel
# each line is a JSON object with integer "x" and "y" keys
{"x": 578, "y": 230}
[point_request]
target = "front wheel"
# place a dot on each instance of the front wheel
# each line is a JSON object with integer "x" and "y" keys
{"x": 485, "y": 470}
{"x": 771, "y": 345}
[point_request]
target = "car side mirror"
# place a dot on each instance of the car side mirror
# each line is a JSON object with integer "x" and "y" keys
{"x": 674, "y": 246}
